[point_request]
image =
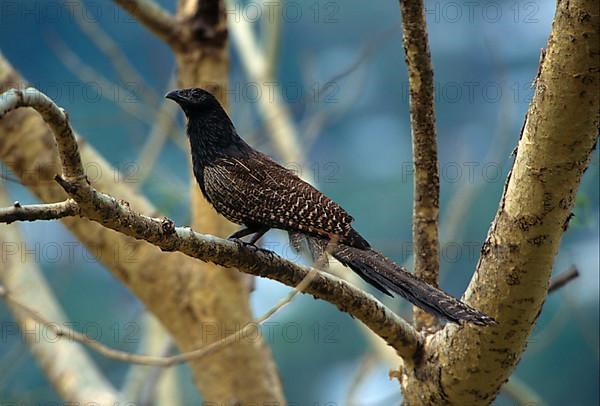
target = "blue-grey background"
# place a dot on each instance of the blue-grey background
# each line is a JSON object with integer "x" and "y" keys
{"x": 357, "y": 134}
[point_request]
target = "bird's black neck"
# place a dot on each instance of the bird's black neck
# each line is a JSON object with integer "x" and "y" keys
{"x": 213, "y": 136}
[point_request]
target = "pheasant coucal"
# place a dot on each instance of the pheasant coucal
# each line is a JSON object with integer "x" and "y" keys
{"x": 251, "y": 189}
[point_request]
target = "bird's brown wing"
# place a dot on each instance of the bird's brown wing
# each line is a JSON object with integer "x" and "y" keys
{"x": 257, "y": 191}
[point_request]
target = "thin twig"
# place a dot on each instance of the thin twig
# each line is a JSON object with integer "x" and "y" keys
{"x": 34, "y": 212}
{"x": 373, "y": 45}
{"x": 561, "y": 280}
{"x": 426, "y": 177}
{"x": 152, "y": 360}
{"x": 143, "y": 112}
{"x": 308, "y": 135}
{"x": 126, "y": 70}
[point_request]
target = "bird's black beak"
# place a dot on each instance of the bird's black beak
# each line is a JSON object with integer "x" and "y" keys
{"x": 176, "y": 96}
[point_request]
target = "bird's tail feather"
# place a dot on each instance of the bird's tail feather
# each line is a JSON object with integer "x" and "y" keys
{"x": 387, "y": 276}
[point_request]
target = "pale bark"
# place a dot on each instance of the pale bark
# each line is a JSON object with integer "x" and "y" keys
{"x": 466, "y": 365}
{"x": 426, "y": 184}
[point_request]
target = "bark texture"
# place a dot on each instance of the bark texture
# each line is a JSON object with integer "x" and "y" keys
{"x": 426, "y": 190}
{"x": 466, "y": 365}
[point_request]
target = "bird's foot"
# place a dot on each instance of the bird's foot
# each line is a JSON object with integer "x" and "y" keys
{"x": 257, "y": 231}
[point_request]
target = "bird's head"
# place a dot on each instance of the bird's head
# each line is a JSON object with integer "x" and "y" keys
{"x": 209, "y": 128}
{"x": 195, "y": 101}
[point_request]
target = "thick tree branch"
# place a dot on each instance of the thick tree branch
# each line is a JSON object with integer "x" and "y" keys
{"x": 119, "y": 216}
{"x": 511, "y": 281}
{"x": 247, "y": 258}
{"x": 426, "y": 199}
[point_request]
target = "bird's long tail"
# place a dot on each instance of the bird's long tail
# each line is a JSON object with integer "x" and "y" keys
{"x": 388, "y": 276}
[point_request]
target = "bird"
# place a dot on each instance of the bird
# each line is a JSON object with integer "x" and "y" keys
{"x": 252, "y": 190}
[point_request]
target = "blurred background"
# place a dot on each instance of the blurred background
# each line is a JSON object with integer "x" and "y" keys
{"x": 339, "y": 68}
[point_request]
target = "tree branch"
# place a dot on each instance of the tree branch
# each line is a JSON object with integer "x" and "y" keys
{"x": 426, "y": 199}
{"x": 561, "y": 280}
{"x": 56, "y": 119}
{"x": 33, "y": 212}
{"x": 119, "y": 216}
